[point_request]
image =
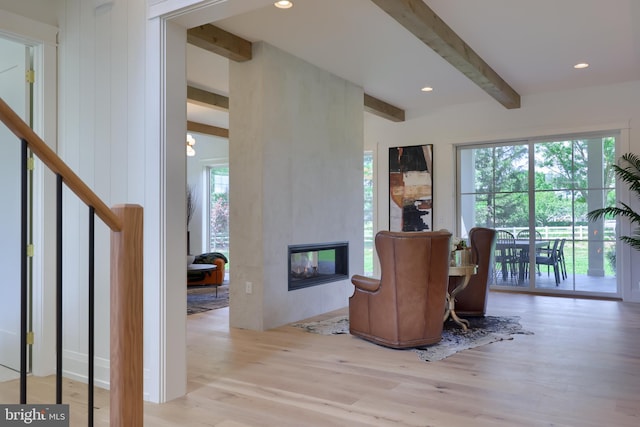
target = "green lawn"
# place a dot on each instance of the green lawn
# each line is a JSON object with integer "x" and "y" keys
{"x": 581, "y": 258}
{"x": 368, "y": 257}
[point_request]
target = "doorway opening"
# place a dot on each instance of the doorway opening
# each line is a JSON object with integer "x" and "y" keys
{"x": 16, "y": 62}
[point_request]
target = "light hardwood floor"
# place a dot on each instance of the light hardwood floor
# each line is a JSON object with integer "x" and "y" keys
{"x": 580, "y": 368}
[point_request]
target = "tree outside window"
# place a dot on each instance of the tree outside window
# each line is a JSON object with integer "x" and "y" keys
{"x": 219, "y": 209}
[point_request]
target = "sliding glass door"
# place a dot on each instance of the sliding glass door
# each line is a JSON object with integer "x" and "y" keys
{"x": 538, "y": 192}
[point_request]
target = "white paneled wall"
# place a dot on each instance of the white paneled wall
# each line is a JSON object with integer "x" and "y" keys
{"x": 102, "y": 62}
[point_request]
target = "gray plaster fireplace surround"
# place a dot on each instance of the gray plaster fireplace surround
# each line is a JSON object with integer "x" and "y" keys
{"x": 317, "y": 263}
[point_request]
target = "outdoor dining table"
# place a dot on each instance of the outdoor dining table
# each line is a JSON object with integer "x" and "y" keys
{"x": 521, "y": 246}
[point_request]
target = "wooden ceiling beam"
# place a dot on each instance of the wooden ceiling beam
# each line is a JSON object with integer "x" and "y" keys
{"x": 210, "y": 99}
{"x": 371, "y": 104}
{"x": 207, "y": 129}
{"x": 217, "y": 40}
{"x": 383, "y": 109}
{"x": 427, "y": 26}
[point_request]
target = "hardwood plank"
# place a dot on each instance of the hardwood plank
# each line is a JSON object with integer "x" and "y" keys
{"x": 427, "y": 26}
{"x": 580, "y": 368}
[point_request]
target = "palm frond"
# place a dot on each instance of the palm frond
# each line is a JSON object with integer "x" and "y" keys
{"x": 612, "y": 211}
{"x": 634, "y": 242}
{"x": 629, "y": 173}
{"x": 633, "y": 159}
{"x": 633, "y": 216}
{"x": 628, "y": 176}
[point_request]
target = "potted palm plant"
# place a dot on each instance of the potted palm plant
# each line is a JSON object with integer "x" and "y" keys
{"x": 629, "y": 172}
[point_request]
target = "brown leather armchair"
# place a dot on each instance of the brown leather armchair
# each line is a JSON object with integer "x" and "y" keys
{"x": 473, "y": 300}
{"x": 405, "y": 307}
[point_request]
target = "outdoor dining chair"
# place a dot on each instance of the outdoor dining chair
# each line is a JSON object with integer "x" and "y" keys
{"x": 506, "y": 256}
{"x": 524, "y": 234}
{"x": 549, "y": 257}
{"x": 561, "y": 260}
{"x": 524, "y": 255}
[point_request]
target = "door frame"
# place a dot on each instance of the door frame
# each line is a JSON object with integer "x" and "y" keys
{"x": 43, "y": 39}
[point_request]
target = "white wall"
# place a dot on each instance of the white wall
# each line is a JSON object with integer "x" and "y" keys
{"x": 296, "y": 147}
{"x": 593, "y": 109}
{"x": 44, "y": 11}
{"x": 101, "y": 117}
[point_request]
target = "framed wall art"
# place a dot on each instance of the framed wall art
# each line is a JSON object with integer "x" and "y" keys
{"x": 411, "y": 188}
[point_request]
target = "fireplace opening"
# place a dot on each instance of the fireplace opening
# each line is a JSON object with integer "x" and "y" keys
{"x": 313, "y": 264}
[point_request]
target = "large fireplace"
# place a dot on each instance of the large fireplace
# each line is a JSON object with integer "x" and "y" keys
{"x": 318, "y": 263}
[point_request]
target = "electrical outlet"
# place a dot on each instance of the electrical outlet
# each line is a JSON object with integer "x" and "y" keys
{"x": 248, "y": 287}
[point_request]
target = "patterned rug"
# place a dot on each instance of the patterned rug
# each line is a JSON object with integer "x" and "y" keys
{"x": 203, "y": 298}
{"x": 483, "y": 330}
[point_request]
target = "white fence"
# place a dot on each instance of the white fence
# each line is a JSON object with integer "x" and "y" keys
{"x": 576, "y": 232}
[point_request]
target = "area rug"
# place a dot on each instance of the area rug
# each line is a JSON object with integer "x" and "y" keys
{"x": 482, "y": 331}
{"x": 203, "y": 298}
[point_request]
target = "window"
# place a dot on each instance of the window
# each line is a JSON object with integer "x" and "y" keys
{"x": 218, "y": 224}
{"x": 544, "y": 189}
{"x": 368, "y": 213}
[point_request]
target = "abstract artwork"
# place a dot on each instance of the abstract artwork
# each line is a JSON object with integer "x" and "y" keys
{"x": 411, "y": 188}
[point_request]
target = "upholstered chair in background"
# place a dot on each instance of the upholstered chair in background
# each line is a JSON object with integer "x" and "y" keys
{"x": 405, "y": 307}
{"x": 473, "y": 300}
{"x": 216, "y": 277}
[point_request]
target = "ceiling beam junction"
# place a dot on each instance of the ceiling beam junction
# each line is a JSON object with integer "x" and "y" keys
{"x": 427, "y": 26}
{"x": 221, "y": 42}
{"x": 217, "y": 40}
{"x": 383, "y": 109}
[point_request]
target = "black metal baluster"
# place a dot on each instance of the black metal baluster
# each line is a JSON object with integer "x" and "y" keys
{"x": 91, "y": 311}
{"x": 23, "y": 275}
{"x": 59, "y": 289}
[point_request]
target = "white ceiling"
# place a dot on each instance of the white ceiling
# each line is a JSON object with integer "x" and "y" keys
{"x": 533, "y": 45}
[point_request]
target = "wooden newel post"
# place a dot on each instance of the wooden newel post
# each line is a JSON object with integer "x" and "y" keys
{"x": 126, "y": 386}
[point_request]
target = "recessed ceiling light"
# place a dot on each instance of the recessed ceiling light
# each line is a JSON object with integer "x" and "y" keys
{"x": 581, "y": 65}
{"x": 284, "y": 4}
{"x": 427, "y": 89}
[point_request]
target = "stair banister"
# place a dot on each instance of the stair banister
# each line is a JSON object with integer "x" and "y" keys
{"x": 53, "y": 162}
{"x": 126, "y": 329}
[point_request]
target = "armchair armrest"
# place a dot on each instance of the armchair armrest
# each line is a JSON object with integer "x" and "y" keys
{"x": 368, "y": 284}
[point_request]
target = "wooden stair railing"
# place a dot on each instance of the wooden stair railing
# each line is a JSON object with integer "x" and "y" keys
{"x": 125, "y": 222}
